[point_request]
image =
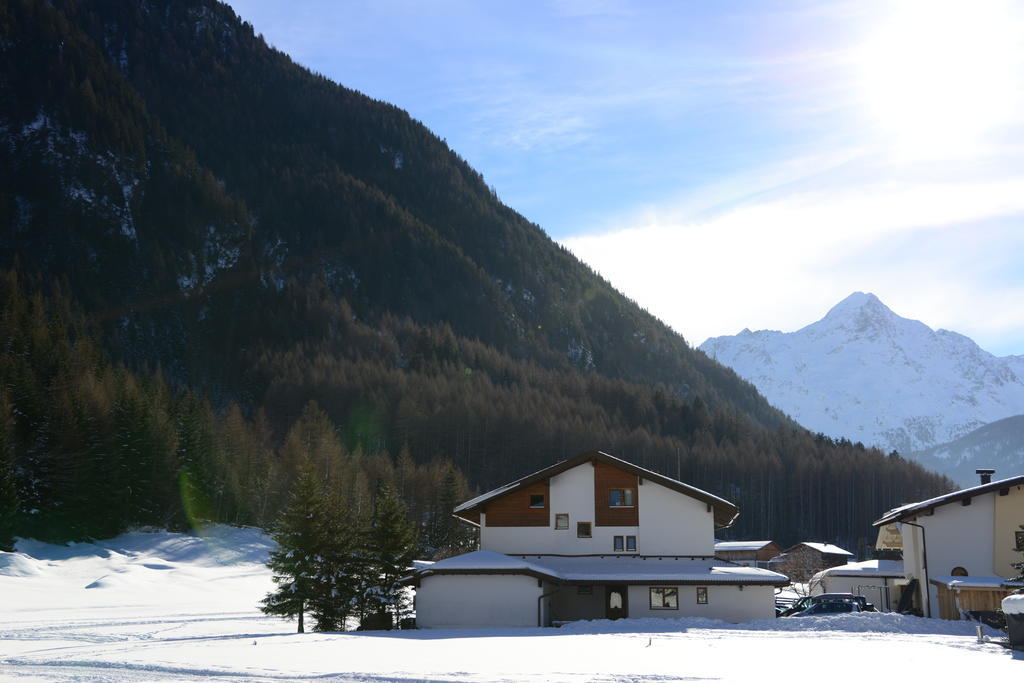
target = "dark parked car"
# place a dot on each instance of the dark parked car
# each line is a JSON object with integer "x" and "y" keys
{"x": 805, "y": 602}
{"x": 823, "y": 607}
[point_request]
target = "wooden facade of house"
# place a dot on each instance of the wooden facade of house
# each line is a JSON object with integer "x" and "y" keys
{"x": 955, "y": 600}
{"x": 751, "y": 556}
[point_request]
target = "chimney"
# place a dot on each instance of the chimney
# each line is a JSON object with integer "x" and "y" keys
{"x": 986, "y": 475}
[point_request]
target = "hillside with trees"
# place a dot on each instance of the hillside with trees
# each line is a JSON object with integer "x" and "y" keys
{"x": 221, "y": 264}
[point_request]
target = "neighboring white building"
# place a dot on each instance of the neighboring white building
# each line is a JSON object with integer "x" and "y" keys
{"x": 970, "y": 536}
{"x": 879, "y": 581}
{"x": 589, "y": 538}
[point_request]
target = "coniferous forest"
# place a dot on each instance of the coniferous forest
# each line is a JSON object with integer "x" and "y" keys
{"x": 220, "y": 267}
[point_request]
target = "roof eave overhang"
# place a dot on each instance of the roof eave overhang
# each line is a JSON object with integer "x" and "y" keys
{"x": 915, "y": 509}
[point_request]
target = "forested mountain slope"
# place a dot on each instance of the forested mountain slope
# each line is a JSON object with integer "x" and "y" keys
{"x": 266, "y": 237}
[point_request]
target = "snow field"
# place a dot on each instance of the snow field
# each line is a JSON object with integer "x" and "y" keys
{"x": 161, "y": 606}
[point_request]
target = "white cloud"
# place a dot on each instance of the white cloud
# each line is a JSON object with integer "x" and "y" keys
{"x": 927, "y": 247}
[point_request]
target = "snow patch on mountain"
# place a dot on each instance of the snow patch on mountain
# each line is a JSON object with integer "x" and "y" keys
{"x": 866, "y": 374}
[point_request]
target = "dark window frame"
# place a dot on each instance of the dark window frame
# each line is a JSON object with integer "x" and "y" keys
{"x": 626, "y": 496}
{"x": 666, "y": 594}
{"x": 630, "y": 540}
{"x": 702, "y": 595}
{"x": 584, "y": 590}
{"x": 1019, "y": 538}
{"x": 580, "y": 526}
{"x": 562, "y": 516}
{"x": 533, "y": 499}
{"x": 618, "y": 544}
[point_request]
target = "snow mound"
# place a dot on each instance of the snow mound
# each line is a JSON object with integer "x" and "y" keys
{"x": 18, "y": 564}
{"x": 213, "y": 545}
{"x": 1014, "y": 604}
{"x": 864, "y": 622}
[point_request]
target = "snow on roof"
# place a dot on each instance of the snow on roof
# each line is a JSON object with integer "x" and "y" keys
{"x": 605, "y": 568}
{"x": 877, "y": 568}
{"x": 473, "y": 502}
{"x": 484, "y": 560}
{"x": 904, "y": 511}
{"x": 826, "y": 548}
{"x": 973, "y": 581}
{"x": 721, "y": 546}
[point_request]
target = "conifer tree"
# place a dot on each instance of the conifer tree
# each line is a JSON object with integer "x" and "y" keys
{"x": 9, "y": 501}
{"x": 1019, "y": 566}
{"x": 391, "y": 548}
{"x": 295, "y": 562}
{"x": 340, "y": 566}
{"x": 453, "y": 537}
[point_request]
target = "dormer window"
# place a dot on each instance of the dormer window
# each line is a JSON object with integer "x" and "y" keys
{"x": 536, "y": 500}
{"x": 620, "y": 498}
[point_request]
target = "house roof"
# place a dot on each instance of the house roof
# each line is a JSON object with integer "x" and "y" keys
{"x": 889, "y": 569}
{"x": 825, "y": 548}
{"x": 725, "y": 546}
{"x": 913, "y": 509}
{"x": 725, "y": 512}
{"x": 606, "y": 569}
{"x": 989, "y": 582}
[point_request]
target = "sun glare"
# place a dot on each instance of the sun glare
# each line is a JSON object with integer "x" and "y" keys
{"x": 941, "y": 74}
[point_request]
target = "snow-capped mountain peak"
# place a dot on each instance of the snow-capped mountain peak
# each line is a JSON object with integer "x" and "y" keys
{"x": 867, "y": 374}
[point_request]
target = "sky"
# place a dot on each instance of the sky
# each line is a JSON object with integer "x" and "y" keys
{"x": 728, "y": 164}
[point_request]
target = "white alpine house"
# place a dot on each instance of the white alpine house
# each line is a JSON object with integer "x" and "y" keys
{"x": 592, "y": 537}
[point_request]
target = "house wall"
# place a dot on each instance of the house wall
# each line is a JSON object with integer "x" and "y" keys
{"x": 727, "y": 603}
{"x": 568, "y": 605}
{"x": 606, "y": 478}
{"x": 745, "y": 557}
{"x": 1008, "y": 518}
{"x": 670, "y": 523}
{"x": 572, "y": 493}
{"x": 960, "y": 536}
{"x": 673, "y": 524}
{"x": 513, "y": 509}
{"x": 956, "y": 536}
{"x": 467, "y": 601}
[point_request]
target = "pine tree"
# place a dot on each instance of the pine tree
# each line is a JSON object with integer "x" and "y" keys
{"x": 391, "y": 548}
{"x": 1019, "y": 566}
{"x": 295, "y": 562}
{"x": 453, "y": 537}
{"x": 340, "y": 566}
{"x": 9, "y": 501}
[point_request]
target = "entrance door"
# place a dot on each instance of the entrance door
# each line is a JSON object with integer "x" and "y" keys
{"x": 616, "y": 604}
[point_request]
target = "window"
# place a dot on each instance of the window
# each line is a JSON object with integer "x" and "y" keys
{"x": 562, "y": 521}
{"x": 1019, "y": 536}
{"x": 584, "y": 590}
{"x": 536, "y": 500}
{"x": 620, "y": 498}
{"x": 617, "y": 544}
{"x": 583, "y": 529}
{"x": 702, "y": 595}
{"x": 958, "y": 571}
{"x": 664, "y": 598}
{"x": 631, "y": 544}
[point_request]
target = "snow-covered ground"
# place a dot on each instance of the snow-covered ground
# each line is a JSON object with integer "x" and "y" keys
{"x": 161, "y": 606}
